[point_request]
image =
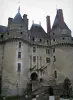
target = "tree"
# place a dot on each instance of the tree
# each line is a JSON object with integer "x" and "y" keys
{"x": 67, "y": 87}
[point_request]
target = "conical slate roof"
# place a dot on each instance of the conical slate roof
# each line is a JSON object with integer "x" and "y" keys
{"x": 37, "y": 31}
{"x": 17, "y": 19}
{"x": 57, "y": 23}
{"x": 3, "y": 29}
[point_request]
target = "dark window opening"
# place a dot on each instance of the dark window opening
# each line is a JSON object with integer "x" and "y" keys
{"x": 19, "y": 44}
{"x": 47, "y": 60}
{"x": 54, "y": 58}
{"x": 55, "y": 73}
{"x": 34, "y": 58}
{"x": 63, "y": 38}
{"x": 19, "y": 67}
{"x": 47, "y": 51}
{"x": 19, "y": 54}
{"x": 41, "y": 80}
{"x": 21, "y": 32}
{"x": 51, "y": 91}
{"x": 40, "y": 40}
{"x": 34, "y": 76}
{"x": 8, "y": 33}
{"x": 53, "y": 49}
{"x": 53, "y": 39}
{"x": 1, "y": 36}
{"x": 34, "y": 49}
{"x": 53, "y": 33}
{"x": 33, "y": 39}
{"x": 47, "y": 41}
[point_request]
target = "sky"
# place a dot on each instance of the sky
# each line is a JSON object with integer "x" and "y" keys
{"x": 37, "y": 10}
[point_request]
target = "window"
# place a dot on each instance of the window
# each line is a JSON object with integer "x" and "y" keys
{"x": 54, "y": 58}
{"x": 53, "y": 49}
{"x": 1, "y": 36}
{"x": 53, "y": 33}
{"x": 34, "y": 49}
{"x": 19, "y": 44}
{"x": 47, "y": 41}
{"x": 34, "y": 58}
{"x": 47, "y": 60}
{"x": 55, "y": 73}
{"x": 33, "y": 39}
{"x": 63, "y": 38}
{"x": 47, "y": 51}
{"x": 40, "y": 40}
{"x": 19, "y": 67}
{"x": 19, "y": 54}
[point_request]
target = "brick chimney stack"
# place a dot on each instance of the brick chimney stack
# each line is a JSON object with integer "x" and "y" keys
{"x": 48, "y": 24}
{"x": 60, "y": 17}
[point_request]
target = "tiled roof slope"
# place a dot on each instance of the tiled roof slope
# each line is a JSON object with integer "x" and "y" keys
{"x": 37, "y": 31}
{"x": 57, "y": 23}
{"x": 17, "y": 19}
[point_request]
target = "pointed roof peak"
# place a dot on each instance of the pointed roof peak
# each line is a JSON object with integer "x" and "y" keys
{"x": 18, "y": 18}
{"x": 59, "y": 21}
{"x": 19, "y": 9}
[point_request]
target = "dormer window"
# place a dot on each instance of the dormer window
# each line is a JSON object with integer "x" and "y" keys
{"x": 53, "y": 39}
{"x": 1, "y": 36}
{"x": 47, "y": 41}
{"x": 33, "y": 39}
{"x": 63, "y": 38}
{"x": 40, "y": 40}
{"x": 21, "y": 32}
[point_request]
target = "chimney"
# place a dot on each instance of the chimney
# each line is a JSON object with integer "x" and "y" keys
{"x": 9, "y": 21}
{"x": 48, "y": 24}
{"x": 25, "y": 20}
{"x": 60, "y": 17}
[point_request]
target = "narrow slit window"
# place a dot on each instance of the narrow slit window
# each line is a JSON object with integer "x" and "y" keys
{"x": 55, "y": 72}
{"x": 34, "y": 49}
{"x": 19, "y": 54}
{"x": 19, "y": 44}
{"x": 19, "y": 67}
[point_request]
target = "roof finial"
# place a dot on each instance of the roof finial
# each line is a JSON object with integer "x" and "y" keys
{"x": 19, "y": 7}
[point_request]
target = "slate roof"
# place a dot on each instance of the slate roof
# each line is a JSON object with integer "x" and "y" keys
{"x": 56, "y": 24}
{"x": 17, "y": 19}
{"x": 3, "y": 29}
{"x": 37, "y": 31}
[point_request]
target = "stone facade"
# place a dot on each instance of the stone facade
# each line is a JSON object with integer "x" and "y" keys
{"x": 34, "y": 56}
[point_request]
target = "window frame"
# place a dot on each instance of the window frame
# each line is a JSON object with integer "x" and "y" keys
{"x": 20, "y": 44}
{"x": 34, "y": 58}
{"x": 19, "y": 67}
{"x": 19, "y": 54}
{"x": 47, "y": 60}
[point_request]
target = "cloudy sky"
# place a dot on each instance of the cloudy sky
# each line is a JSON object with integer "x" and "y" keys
{"x": 37, "y": 10}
